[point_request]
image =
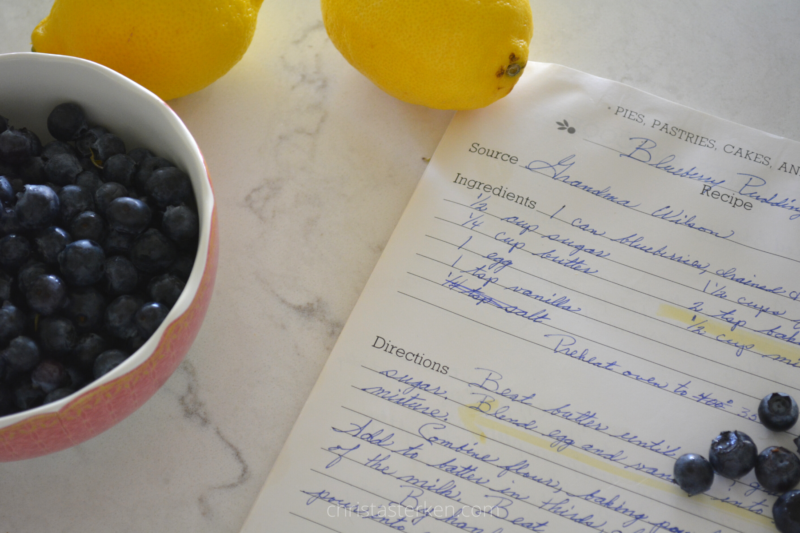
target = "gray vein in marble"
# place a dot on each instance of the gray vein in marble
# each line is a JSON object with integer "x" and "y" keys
{"x": 293, "y": 147}
{"x": 195, "y": 410}
{"x": 305, "y": 32}
{"x": 258, "y": 198}
{"x": 314, "y": 311}
{"x": 310, "y": 77}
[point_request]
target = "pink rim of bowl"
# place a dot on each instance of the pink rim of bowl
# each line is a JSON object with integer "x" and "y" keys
{"x": 31, "y": 84}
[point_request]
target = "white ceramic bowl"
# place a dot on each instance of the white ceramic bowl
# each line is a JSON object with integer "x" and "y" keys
{"x": 31, "y": 85}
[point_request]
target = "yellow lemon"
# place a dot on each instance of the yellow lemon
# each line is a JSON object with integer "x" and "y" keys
{"x": 172, "y": 47}
{"x": 446, "y": 54}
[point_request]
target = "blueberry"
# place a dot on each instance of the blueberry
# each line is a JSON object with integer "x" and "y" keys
{"x": 778, "y": 411}
{"x": 149, "y": 317}
{"x": 107, "y": 193}
{"x": 121, "y": 169}
{"x": 14, "y": 251}
{"x": 27, "y": 396}
{"x": 82, "y": 263}
{"x": 777, "y": 469}
{"x": 180, "y": 224}
{"x": 6, "y": 401}
{"x": 6, "y": 191}
{"x": 21, "y": 355}
{"x": 693, "y": 473}
{"x": 152, "y": 252}
{"x": 15, "y": 146}
{"x": 121, "y": 276}
{"x": 90, "y": 166}
{"x": 182, "y": 267}
{"x": 12, "y": 322}
{"x": 58, "y": 394}
{"x": 118, "y": 243}
{"x": 135, "y": 342}
{"x": 169, "y": 186}
{"x": 57, "y": 336}
{"x": 78, "y": 377}
{"x": 57, "y": 147}
{"x": 128, "y": 215}
{"x": 63, "y": 169}
{"x": 67, "y": 122}
{"x": 38, "y": 207}
{"x": 6, "y": 282}
{"x": 786, "y": 512}
{"x": 146, "y": 169}
{"x": 732, "y": 454}
{"x": 74, "y": 200}
{"x": 17, "y": 184}
{"x": 107, "y": 145}
{"x": 49, "y": 375}
{"x": 36, "y": 144}
{"x": 56, "y": 188}
{"x": 84, "y": 143}
{"x": 120, "y": 316}
{"x": 85, "y": 307}
{"x": 88, "y": 347}
{"x": 8, "y": 221}
{"x": 87, "y": 225}
{"x": 50, "y": 243}
{"x": 140, "y": 154}
{"x": 108, "y": 361}
{"x": 32, "y": 171}
{"x": 154, "y": 208}
{"x": 29, "y": 272}
{"x": 89, "y": 180}
{"x": 45, "y": 294}
{"x": 165, "y": 289}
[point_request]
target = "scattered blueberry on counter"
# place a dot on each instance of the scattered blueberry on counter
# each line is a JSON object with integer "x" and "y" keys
{"x": 96, "y": 245}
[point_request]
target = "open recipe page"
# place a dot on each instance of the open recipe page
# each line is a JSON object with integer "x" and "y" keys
{"x": 588, "y": 282}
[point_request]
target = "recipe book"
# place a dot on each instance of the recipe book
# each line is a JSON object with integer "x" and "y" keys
{"x": 588, "y": 282}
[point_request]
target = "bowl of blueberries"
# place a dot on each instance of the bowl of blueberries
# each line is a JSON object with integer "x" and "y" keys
{"x": 108, "y": 249}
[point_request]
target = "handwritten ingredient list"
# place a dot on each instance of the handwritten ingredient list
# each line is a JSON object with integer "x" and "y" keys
{"x": 588, "y": 282}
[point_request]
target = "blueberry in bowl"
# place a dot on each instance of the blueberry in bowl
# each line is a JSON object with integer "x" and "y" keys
{"x": 99, "y": 299}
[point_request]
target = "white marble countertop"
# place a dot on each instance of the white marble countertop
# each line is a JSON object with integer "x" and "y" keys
{"x": 312, "y": 167}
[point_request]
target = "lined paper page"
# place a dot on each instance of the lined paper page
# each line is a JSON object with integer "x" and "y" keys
{"x": 588, "y": 282}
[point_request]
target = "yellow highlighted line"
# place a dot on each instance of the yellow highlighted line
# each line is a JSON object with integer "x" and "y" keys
{"x": 738, "y": 338}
